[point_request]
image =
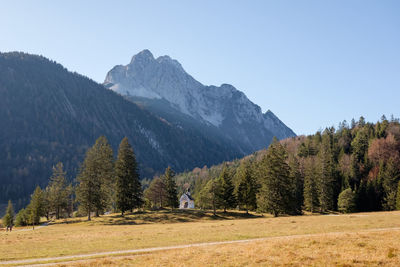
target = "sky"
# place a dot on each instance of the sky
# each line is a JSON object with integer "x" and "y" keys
{"x": 313, "y": 63}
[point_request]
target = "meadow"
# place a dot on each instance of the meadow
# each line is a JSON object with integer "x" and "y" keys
{"x": 309, "y": 239}
{"x": 350, "y": 249}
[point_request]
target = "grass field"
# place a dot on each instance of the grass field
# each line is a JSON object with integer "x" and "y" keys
{"x": 350, "y": 249}
{"x": 156, "y": 229}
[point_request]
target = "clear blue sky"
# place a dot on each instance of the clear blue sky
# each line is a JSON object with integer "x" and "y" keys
{"x": 313, "y": 63}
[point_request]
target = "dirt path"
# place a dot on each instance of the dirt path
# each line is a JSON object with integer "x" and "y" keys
{"x": 30, "y": 228}
{"x": 83, "y": 257}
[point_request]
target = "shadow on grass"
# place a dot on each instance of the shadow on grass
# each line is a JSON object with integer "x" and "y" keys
{"x": 162, "y": 216}
{"x": 66, "y": 221}
{"x": 174, "y": 216}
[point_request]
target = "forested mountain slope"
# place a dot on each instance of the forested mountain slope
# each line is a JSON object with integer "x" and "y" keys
{"x": 48, "y": 114}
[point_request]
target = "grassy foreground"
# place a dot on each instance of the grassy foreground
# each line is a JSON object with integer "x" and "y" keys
{"x": 350, "y": 249}
{"x": 156, "y": 229}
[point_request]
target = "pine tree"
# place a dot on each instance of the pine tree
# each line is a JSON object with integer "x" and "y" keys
{"x": 57, "y": 193}
{"x": 95, "y": 180}
{"x": 47, "y": 205}
{"x": 128, "y": 186}
{"x": 247, "y": 189}
{"x": 297, "y": 185}
{"x": 8, "y": 219}
{"x": 105, "y": 173}
{"x": 361, "y": 197}
{"x": 360, "y": 145}
{"x": 276, "y": 187}
{"x": 311, "y": 202}
{"x": 36, "y": 207}
{"x": 227, "y": 196}
{"x": 172, "y": 195}
{"x": 361, "y": 121}
{"x": 390, "y": 176}
{"x": 375, "y": 195}
{"x": 353, "y": 123}
{"x": 325, "y": 182}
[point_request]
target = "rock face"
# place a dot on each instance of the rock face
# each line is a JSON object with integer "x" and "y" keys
{"x": 161, "y": 83}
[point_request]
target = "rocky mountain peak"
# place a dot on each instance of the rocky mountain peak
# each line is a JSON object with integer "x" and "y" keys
{"x": 144, "y": 56}
{"x": 223, "y": 107}
{"x": 167, "y": 60}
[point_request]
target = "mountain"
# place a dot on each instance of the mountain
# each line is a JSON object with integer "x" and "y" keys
{"x": 163, "y": 87}
{"x": 48, "y": 114}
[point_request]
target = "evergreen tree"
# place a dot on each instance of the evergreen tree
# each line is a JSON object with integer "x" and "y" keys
{"x": 302, "y": 151}
{"x": 8, "y": 219}
{"x": 57, "y": 193}
{"x": 276, "y": 191}
{"x": 353, "y": 123}
{"x": 227, "y": 196}
{"x": 71, "y": 200}
{"x": 36, "y": 207}
{"x": 362, "y": 198}
{"x": 297, "y": 185}
{"x": 247, "y": 189}
{"x": 128, "y": 186}
{"x": 355, "y": 173}
{"x": 325, "y": 180}
{"x": 346, "y": 201}
{"x": 375, "y": 195}
{"x": 47, "y": 205}
{"x": 390, "y": 175}
{"x": 95, "y": 183}
{"x": 360, "y": 145}
{"x": 311, "y": 202}
{"x": 361, "y": 121}
{"x": 171, "y": 188}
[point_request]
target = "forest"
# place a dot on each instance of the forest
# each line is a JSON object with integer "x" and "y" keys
{"x": 352, "y": 168}
{"x": 349, "y": 169}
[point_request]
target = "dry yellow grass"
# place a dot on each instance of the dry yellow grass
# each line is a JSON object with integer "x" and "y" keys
{"x": 350, "y": 249}
{"x": 111, "y": 233}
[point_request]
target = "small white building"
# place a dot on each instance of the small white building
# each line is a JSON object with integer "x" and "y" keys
{"x": 186, "y": 201}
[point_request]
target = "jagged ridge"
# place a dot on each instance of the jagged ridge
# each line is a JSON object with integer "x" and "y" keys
{"x": 224, "y": 107}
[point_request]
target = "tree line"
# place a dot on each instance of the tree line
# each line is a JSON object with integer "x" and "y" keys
{"x": 103, "y": 184}
{"x": 271, "y": 185}
{"x": 352, "y": 168}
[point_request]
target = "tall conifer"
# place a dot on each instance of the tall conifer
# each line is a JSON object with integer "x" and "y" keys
{"x": 297, "y": 181}
{"x": 36, "y": 207}
{"x": 311, "y": 202}
{"x": 129, "y": 193}
{"x": 170, "y": 184}
{"x": 57, "y": 193}
{"x": 325, "y": 180}
{"x": 276, "y": 187}
{"x": 95, "y": 180}
{"x": 227, "y": 196}
{"x": 8, "y": 219}
{"x": 247, "y": 188}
